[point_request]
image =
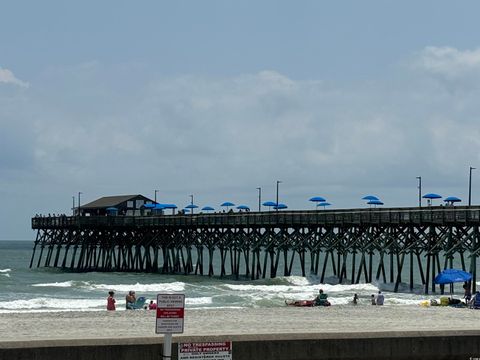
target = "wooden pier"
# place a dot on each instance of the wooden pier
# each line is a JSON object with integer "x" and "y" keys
{"x": 392, "y": 245}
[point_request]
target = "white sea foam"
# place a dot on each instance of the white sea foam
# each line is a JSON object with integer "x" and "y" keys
{"x": 311, "y": 288}
{"x": 53, "y": 304}
{"x": 5, "y": 272}
{"x": 300, "y": 280}
{"x": 199, "y": 301}
{"x": 159, "y": 287}
{"x": 262, "y": 288}
{"x": 174, "y": 286}
{"x": 3, "y": 311}
{"x": 65, "y": 284}
{"x": 350, "y": 288}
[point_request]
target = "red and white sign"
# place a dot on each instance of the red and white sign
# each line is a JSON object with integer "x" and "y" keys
{"x": 205, "y": 351}
{"x": 170, "y": 313}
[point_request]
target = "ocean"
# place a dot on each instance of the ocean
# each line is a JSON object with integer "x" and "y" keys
{"x": 48, "y": 289}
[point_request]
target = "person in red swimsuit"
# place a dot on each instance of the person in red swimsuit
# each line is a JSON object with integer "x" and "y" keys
{"x": 111, "y": 301}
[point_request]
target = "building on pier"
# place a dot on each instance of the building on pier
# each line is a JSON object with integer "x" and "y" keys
{"x": 129, "y": 205}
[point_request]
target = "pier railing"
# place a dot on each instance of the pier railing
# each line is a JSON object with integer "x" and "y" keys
{"x": 388, "y": 216}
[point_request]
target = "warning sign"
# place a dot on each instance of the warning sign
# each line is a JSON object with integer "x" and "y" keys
{"x": 170, "y": 313}
{"x": 205, "y": 351}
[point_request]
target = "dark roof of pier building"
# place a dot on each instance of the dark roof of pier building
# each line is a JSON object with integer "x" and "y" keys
{"x": 112, "y": 201}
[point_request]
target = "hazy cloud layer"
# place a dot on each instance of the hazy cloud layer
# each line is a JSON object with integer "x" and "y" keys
{"x": 125, "y": 129}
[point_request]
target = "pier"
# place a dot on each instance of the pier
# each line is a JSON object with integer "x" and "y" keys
{"x": 392, "y": 245}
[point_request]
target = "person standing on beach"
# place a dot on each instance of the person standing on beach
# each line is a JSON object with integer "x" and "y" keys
{"x": 355, "y": 299}
{"x": 111, "y": 301}
{"x": 468, "y": 294}
{"x": 380, "y": 298}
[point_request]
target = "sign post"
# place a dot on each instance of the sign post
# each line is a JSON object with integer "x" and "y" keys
{"x": 170, "y": 313}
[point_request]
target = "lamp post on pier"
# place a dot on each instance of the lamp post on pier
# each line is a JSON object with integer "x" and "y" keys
{"x": 278, "y": 182}
{"x": 419, "y": 191}
{"x": 191, "y": 203}
{"x": 79, "y": 193}
{"x": 259, "y": 199}
{"x": 73, "y": 205}
{"x": 156, "y": 191}
{"x": 470, "y": 187}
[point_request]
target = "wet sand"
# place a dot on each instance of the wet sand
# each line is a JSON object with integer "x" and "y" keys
{"x": 280, "y": 320}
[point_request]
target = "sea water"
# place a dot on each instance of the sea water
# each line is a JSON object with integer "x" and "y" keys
{"x": 48, "y": 289}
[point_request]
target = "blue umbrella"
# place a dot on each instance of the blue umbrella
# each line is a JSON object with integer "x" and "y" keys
{"x": 452, "y": 199}
{"x": 186, "y": 210}
{"x": 317, "y": 199}
{"x": 227, "y": 204}
{"x": 375, "y": 202}
{"x": 430, "y": 197}
{"x": 269, "y": 203}
{"x": 370, "y": 197}
{"x": 208, "y": 208}
{"x": 324, "y": 204}
{"x": 169, "y": 206}
{"x": 449, "y": 276}
{"x": 149, "y": 206}
{"x": 191, "y": 207}
{"x": 243, "y": 207}
{"x": 166, "y": 206}
{"x": 280, "y": 207}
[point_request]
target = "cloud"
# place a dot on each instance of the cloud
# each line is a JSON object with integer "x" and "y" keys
{"x": 222, "y": 130}
{"x": 107, "y": 130}
{"x": 449, "y": 62}
{"x": 7, "y": 77}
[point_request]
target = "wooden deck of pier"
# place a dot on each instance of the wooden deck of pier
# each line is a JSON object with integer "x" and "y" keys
{"x": 347, "y": 244}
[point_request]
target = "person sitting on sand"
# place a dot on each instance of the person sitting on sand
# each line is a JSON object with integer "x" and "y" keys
{"x": 111, "y": 301}
{"x": 321, "y": 299}
{"x": 373, "y": 299}
{"x": 380, "y": 298}
{"x": 130, "y": 300}
{"x": 453, "y": 301}
{"x": 152, "y": 305}
{"x": 355, "y": 299}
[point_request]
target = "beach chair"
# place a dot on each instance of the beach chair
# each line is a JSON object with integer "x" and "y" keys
{"x": 476, "y": 301}
{"x": 140, "y": 303}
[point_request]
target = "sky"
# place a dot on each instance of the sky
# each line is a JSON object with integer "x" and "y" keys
{"x": 216, "y": 98}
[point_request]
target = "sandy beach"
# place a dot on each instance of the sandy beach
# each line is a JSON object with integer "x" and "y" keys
{"x": 281, "y": 320}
